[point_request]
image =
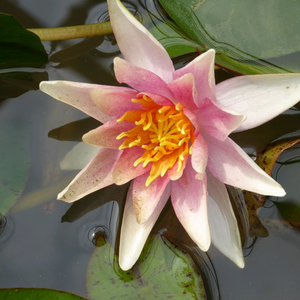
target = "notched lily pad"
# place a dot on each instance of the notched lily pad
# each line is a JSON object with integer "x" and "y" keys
{"x": 163, "y": 271}
{"x": 245, "y": 34}
{"x": 18, "y": 46}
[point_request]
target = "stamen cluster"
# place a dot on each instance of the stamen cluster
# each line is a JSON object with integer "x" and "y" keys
{"x": 165, "y": 133}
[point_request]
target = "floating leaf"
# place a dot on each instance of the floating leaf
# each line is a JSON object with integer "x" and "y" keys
{"x": 36, "y": 294}
{"x": 243, "y": 33}
{"x": 266, "y": 159}
{"x": 164, "y": 271}
{"x": 18, "y": 46}
{"x": 14, "y": 161}
{"x": 174, "y": 39}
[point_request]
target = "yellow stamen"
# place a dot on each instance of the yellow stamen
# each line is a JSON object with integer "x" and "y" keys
{"x": 165, "y": 133}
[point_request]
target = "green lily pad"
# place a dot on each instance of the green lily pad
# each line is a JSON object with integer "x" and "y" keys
{"x": 14, "y": 161}
{"x": 242, "y": 32}
{"x": 163, "y": 271}
{"x": 18, "y": 46}
{"x": 173, "y": 38}
{"x": 36, "y": 294}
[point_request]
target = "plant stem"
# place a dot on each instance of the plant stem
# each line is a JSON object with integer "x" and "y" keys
{"x": 72, "y": 32}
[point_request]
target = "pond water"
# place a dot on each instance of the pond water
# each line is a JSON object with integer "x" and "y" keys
{"x": 48, "y": 243}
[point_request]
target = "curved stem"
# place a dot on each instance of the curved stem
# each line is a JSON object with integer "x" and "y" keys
{"x": 72, "y": 32}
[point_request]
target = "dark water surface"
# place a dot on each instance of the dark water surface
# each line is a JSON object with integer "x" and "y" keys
{"x": 45, "y": 243}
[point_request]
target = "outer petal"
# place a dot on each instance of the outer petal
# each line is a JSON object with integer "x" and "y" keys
{"x": 216, "y": 120}
{"x": 202, "y": 67}
{"x": 115, "y": 102}
{"x": 124, "y": 170}
{"x": 184, "y": 91}
{"x": 140, "y": 79}
{"x": 189, "y": 199}
{"x": 95, "y": 176}
{"x": 134, "y": 234}
{"x": 223, "y": 226}
{"x": 145, "y": 199}
{"x": 137, "y": 44}
{"x": 76, "y": 94}
{"x": 231, "y": 165}
{"x": 259, "y": 97}
{"x": 105, "y": 135}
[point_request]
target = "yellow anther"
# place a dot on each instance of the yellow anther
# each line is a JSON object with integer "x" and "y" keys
{"x": 164, "y": 132}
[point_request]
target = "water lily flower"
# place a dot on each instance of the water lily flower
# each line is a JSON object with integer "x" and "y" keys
{"x": 169, "y": 134}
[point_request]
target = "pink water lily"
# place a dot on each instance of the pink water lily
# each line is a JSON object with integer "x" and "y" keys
{"x": 169, "y": 134}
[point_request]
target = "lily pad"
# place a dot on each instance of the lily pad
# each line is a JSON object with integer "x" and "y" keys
{"x": 36, "y": 294}
{"x": 174, "y": 39}
{"x": 14, "y": 161}
{"x": 18, "y": 46}
{"x": 163, "y": 271}
{"x": 245, "y": 32}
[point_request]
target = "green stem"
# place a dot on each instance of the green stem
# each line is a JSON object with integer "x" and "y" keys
{"x": 72, "y": 32}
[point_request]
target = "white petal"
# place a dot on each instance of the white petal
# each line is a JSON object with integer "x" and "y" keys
{"x": 133, "y": 234}
{"x": 230, "y": 164}
{"x": 137, "y": 44}
{"x": 79, "y": 157}
{"x": 223, "y": 225}
{"x": 76, "y": 94}
{"x": 259, "y": 97}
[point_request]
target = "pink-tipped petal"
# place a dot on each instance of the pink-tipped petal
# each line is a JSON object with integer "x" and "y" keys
{"x": 115, "y": 102}
{"x": 223, "y": 226}
{"x": 216, "y": 120}
{"x": 137, "y": 44}
{"x": 95, "y": 176}
{"x": 75, "y": 94}
{"x": 184, "y": 91}
{"x": 105, "y": 135}
{"x": 140, "y": 79}
{"x": 189, "y": 199}
{"x": 125, "y": 170}
{"x": 199, "y": 156}
{"x": 259, "y": 97}
{"x": 231, "y": 165}
{"x": 202, "y": 68}
{"x": 145, "y": 199}
{"x": 134, "y": 234}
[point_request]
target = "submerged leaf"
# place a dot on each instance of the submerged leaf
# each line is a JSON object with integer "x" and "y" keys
{"x": 18, "y": 46}
{"x": 14, "y": 161}
{"x": 36, "y": 294}
{"x": 164, "y": 271}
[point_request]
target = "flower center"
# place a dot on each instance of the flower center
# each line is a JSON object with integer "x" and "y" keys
{"x": 165, "y": 133}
